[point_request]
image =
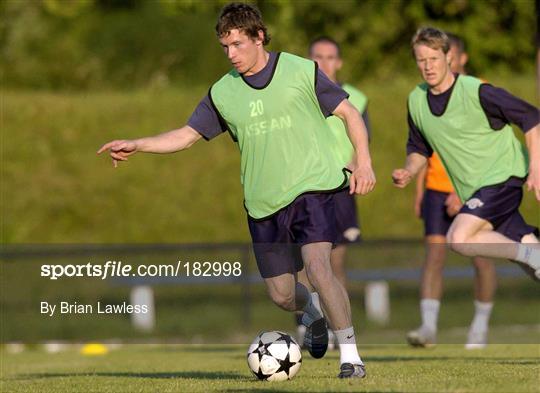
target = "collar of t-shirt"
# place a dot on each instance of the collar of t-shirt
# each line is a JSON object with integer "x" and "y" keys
{"x": 438, "y": 102}
{"x": 262, "y": 77}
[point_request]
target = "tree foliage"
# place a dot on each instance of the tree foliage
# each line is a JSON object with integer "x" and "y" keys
{"x": 127, "y": 43}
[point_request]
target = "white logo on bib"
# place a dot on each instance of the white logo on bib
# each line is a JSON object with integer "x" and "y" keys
{"x": 474, "y": 203}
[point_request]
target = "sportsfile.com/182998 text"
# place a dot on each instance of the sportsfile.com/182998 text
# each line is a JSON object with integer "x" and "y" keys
{"x": 111, "y": 269}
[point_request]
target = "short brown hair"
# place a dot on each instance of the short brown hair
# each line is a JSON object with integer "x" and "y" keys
{"x": 325, "y": 39}
{"x": 432, "y": 38}
{"x": 457, "y": 41}
{"x": 244, "y": 17}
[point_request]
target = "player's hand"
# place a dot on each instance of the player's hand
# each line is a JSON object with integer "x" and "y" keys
{"x": 453, "y": 204}
{"x": 401, "y": 177}
{"x": 533, "y": 181}
{"x": 119, "y": 150}
{"x": 362, "y": 180}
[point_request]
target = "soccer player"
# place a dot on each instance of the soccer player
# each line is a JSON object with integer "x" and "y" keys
{"x": 466, "y": 122}
{"x": 274, "y": 106}
{"x": 327, "y": 53}
{"x": 437, "y": 204}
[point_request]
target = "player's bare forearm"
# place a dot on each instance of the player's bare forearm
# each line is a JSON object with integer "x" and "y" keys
{"x": 532, "y": 139}
{"x": 362, "y": 179}
{"x": 356, "y": 131}
{"x": 403, "y": 176}
{"x": 415, "y": 163}
{"x": 168, "y": 142}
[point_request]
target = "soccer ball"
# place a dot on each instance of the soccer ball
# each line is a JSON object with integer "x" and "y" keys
{"x": 274, "y": 356}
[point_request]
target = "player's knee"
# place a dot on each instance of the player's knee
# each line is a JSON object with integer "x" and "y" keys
{"x": 456, "y": 237}
{"x": 451, "y": 237}
{"x": 529, "y": 239}
{"x": 458, "y": 242}
{"x": 463, "y": 249}
{"x": 283, "y": 299}
{"x": 436, "y": 256}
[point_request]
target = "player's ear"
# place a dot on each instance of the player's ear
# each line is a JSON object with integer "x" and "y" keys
{"x": 449, "y": 58}
{"x": 260, "y": 39}
{"x": 339, "y": 64}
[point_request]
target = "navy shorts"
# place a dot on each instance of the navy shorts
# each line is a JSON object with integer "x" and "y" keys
{"x": 277, "y": 240}
{"x": 436, "y": 220}
{"x": 499, "y": 204}
{"x": 348, "y": 230}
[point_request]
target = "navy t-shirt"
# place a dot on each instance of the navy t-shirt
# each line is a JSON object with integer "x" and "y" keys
{"x": 500, "y": 107}
{"x": 206, "y": 121}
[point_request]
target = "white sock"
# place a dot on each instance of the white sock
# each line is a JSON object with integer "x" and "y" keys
{"x": 312, "y": 309}
{"x": 529, "y": 255}
{"x": 481, "y": 316}
{"x": 348, "y": 353}
{"x": 429, "y": 308}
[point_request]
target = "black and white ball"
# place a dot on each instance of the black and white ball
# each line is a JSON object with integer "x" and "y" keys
{"x": 274, "y": 356}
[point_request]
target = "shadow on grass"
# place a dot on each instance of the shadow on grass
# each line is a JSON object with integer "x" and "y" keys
{"x": 157, "y": 375}
{"x": 519, "y": 362}
{"x": 516, "y": 362}
{"x": 390, "y": 359}
{"x": 264, "y": 390}
{"x": 200, "y": 348}
{"x": 385, "y": 359}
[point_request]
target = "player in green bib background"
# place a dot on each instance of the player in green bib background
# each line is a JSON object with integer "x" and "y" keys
{"x": 327, "y": 53}
{"x": 289, "y": 170}
{"x": 437, "y": 204}
{"x": 466, "y": 122}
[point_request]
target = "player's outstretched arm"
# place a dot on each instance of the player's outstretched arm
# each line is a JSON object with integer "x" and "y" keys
{"x": 403, "y": 176}
{"x": 532, "y": 138}
{"x": 168, "y": 142}
{"x": 363, "y": 178}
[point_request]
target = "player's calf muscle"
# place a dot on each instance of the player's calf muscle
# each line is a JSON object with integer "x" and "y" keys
{"x": 320, "y": 273}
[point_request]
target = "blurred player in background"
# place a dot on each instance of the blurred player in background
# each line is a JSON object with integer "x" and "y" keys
{"x": 437, "y": 204}
{"x": 274, "y": 106}
{"x": 327, "y": 53}
{"x": 467, "y": 122}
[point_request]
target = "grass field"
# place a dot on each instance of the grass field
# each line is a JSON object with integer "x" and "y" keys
{"x": 56, "y": 190}
{"x": 189, "y": 368}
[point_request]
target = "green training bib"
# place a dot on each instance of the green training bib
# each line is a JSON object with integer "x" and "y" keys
{"x": 473, "y": 154}
{"x": 286, "y": 146}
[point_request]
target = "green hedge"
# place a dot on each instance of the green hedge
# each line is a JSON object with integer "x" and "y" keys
{"x": 126, "y": 43}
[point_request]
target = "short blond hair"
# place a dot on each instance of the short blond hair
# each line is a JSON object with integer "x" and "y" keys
{"x": 432, "y": 38}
